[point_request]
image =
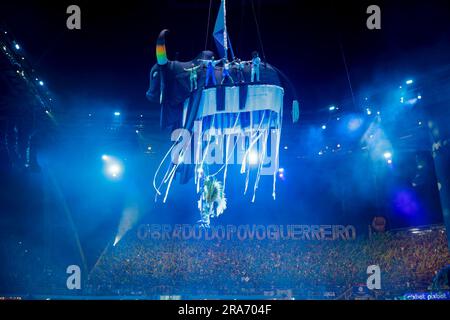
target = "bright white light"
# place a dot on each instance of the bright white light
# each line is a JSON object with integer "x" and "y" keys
{"x": 114, "y": 170}
{"x": 389, "y": 161}
{"x": 412, "y": 101}
{"x": 409, "y": 81}
{"x": 137, "y": 131}
{"x": 419, "y": 97}
{"x": 253, "y": 157}
{"x": 332, "y": 108}
{"x": 117, "y": 113}
{"x": 324, "y": 127}
{"x": 149, "y": 148}
{"x": 338, "y": 145}
{"x": 41, "y": 83}
{"x": 17, "y": 46}
{"x": 113, "y": 167}
{"x": 281, "y": 170}
{"x": 387, "y": 155}
{"x": 369, "y": 112}
{"x": 285, "y": 147}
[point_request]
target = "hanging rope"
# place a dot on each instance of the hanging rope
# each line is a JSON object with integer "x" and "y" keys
{"x": 348, "y": 74}
{"x": 207, "y": 27}
{"x": 259, "y": 33}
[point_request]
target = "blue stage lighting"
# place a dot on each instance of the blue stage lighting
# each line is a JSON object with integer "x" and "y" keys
{"x": 419, "y": 97}
{"x": 354, "y": 124}
{"x": 113, "y": 167}
{"x": 409, "y": 81}
{"x": 41, "y": 83}
{"x": 412, "y": 101}
{"x": 368, "y": 111}
{"x": 117, "y": 113}
{"x": 324, "y": 127}
{"x": 332, "y": 108}
{"x": 114, "y": 170}
{"x": 387, "y": 155}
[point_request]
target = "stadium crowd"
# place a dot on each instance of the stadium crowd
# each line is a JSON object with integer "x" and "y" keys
{"x": 408, "y": 261}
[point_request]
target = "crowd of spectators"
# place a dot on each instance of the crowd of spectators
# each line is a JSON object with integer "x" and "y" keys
{"x": 408, "y": 261}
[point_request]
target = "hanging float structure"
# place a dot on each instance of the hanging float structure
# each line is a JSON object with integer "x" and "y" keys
{"x": 230, "y": 124}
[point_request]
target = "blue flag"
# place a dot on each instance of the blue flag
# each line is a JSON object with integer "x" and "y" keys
{"x": 220, "y": 34}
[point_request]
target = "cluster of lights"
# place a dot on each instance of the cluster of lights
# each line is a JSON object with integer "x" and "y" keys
{"x": 413, "y": 100}
{"x": 14, "y": 54}
{"x": 356, "y": 122}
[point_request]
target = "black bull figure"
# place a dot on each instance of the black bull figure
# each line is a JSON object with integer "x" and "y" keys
{"x": 170, "y": 84}
{"x": 170, "y": 87}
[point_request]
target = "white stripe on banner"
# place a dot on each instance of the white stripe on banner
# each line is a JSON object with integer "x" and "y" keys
{"x": 259, "y": 98}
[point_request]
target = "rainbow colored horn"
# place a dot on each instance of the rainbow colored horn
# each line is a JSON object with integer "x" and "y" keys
{"x": 161, "y": 54}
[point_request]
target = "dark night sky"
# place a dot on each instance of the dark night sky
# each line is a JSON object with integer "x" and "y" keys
{"x": 107, "y": 62}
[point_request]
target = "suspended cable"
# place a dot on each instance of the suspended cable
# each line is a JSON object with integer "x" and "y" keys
{"x": 348, "y": 74}
{"x": 258, "y": 32}
{"x": 207, "y": 27}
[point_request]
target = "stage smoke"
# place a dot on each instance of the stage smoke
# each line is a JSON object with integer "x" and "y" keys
{"x": 129, "y": 218}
